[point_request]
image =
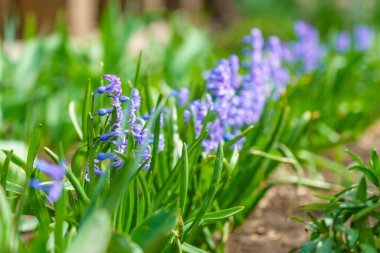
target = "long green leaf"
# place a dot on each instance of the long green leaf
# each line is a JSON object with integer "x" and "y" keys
{"x": 184, "y": 179}
{"x": 219, "y": 215}
{"x": 86, "y": 110}
{"x": 8, "y": 234}
{"x": 60, "y": 212}
{"x": 74, "y": 120}
{"x": 154, "y": 233}
{"x": 368, "y": 173}
{"x": 191, "y": 249}
{"x": 123, "y": 244}
{"x": 167, "y": 186}
{"x": 4, "y": 170}
{"x": 209, "y": 198}
{"x": 94, "y": 235}
{"x": 32, "y": 153}
{"x": 16, "y": 160}
{"x": 222, "y": 214}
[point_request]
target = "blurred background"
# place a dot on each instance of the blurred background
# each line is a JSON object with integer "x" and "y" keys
{"x": 51, "y": 49}
{"x": 83, "y": 16}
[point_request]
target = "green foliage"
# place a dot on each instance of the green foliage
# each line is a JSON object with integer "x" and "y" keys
{"x": 350, "y": 221}
{"x": 186, "y": 196}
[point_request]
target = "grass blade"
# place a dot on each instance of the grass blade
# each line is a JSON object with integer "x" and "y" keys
{"x": 74, "y": 120}
{"x": 8, "y": 235}
{"x": 4, "y": 170}
{"x": 209, "y": 198}
{"x": 187, "y": 248}
{"x": 184, "y": 179}
{"x": 86, "y": 109}
{"x": 16, "y": 160}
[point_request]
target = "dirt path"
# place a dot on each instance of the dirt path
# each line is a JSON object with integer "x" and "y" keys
{"x": 268, "y": 229}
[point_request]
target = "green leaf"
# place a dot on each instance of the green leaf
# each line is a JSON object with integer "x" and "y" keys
{"x": 365, "y": 211}
{"x": 16, "y": 160}
{"x": 156, "y": 143}
{"x": 367, "y": 248}
{"x": 309, "y": 247}
{"x": 361, "y": 194}
{"x": 123, "y": 244}
{"x": 4, "y": 170}
{"x": 374, "y": 163}
{"x": 86, "y": 110}
{"x": 8, "y": 236}
{"x": 271, "y": 156}
{"x": 60, "y": 213}
{"x": 32, "y": 153}
{"x": 146, "y": 193}
{"x": 33, "y": 149}
{"x": 154, "y": 233}
{"x": 209, "y": 198}
{"x": 191, "y": 249}
{"x": 90, "y": 154}
{"x": 234, "y": 159}
{"x": 369, "y": 174}
{"x": 52, "y": 155}
{"x": 229, "y": 143}
{"x": 312, "y": 183}
{"x": 94, "y": 234}
{"x": 298, "y": 219}
{"x": 223, "y": 214}
{"x": 352, "y": 236}
{"x": 77, "y": 186}
{"x": 184, "y": 178}
{"x": 356, "y": 157}
{"x": 137, "y": 75}
{"x": 167, "y": 186}
{"x": 327, "y": 244}
{"x": 74, "y": 120}
{"x": 320, "y": 206}
{"x": 325, "y": 197}
{"x": 15, "y": 188}
{"x": 78, "y": 160}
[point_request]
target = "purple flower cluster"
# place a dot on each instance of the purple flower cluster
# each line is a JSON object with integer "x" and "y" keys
{"x": 363, "y": 38}
{"x": 306, "y": 51}
{"x": 182, "y": 96}
{"x": 198, "y": 108}
{"x": 124, "y": 123}
{"x": 238, "y": 95}
{"x": 342, "y": 41}
{"x": 54, "y": 172}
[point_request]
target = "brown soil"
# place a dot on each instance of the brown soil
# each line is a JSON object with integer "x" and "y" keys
{"x": 268, "y": 228}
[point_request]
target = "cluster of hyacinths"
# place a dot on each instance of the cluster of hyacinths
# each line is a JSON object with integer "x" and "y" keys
{"x": 361, "y": 40}
{"x": 306, "y": 52}
{"x": 122, "y": 125}
{"x": 238, "y": 94}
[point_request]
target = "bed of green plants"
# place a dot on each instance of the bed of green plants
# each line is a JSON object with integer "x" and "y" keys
{"x": 170, "y": 148}
{"x": 349, "y": 219}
